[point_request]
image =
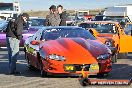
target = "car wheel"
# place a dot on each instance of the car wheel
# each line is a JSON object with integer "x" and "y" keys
{"x": 122, "y": 55}
{"x": 30, "y": 67}
{"x": 42, "y": 72}
{"x": 114, "y": 58}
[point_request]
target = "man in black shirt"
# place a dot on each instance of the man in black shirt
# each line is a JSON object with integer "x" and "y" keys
{"x": 62, "y": 14}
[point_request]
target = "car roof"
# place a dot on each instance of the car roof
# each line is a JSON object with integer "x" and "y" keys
{"x": 112, "y": 22}
{"x": 63, "y": 27}
{"x": 57, "y": 27}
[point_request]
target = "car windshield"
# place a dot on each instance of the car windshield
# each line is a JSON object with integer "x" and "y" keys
{"x": 52, "y": 34}
{"x": 122, "y": 21}
{"x": 117, "y": 19}
{"x": 100, "y": 27}
{"x": 37, "y": 22}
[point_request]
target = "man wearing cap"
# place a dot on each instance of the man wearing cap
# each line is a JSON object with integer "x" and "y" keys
{"x": 53, "y": 18}
{"x": 13, "y": 36}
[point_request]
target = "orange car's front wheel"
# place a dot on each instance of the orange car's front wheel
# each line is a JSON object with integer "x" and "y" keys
{"x": 30, "y": 67}
{"x": 42, "y": 72}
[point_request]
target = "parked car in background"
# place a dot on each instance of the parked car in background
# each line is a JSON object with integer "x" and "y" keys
{"x": 33, "y": 25}
{"x": 36, "y": 22}
{"x": 114, "y": 32}
{"x": 99, "y": 18}
{"x": 70, "y": 21}
{"x": 26, "y": 34}
{"x": 122, "y": 21}
{"x": 56, "y": 50}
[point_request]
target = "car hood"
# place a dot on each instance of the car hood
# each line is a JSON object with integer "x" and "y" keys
{"x": 77, "y": 49}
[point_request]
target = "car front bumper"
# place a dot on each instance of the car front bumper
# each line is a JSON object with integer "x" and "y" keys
{"x": 57, "y": 67}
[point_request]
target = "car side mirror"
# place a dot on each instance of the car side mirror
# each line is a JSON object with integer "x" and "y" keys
{"x": 35, "y": 42}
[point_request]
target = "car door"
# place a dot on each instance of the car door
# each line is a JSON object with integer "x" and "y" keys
{"x": 125, "y": 43}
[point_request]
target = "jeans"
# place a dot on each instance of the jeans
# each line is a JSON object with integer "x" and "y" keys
{"x": 13, "y": 52}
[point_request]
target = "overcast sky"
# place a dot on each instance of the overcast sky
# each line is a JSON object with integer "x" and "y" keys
{"x": 68, "y": 4}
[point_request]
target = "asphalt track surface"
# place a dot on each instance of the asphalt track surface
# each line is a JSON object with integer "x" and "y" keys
{"x": 31, "y": 79}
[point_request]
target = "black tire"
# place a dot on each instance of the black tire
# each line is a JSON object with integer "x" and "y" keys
{"x": 42, "y": 72}
{"x": 122, "y": 55}
{"x": 30, "y": 67}
{"x": 114, "y": 58}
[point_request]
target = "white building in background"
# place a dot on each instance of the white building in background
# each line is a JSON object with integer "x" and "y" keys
{"x": 119, "y": 11}
{"x": 9, "y": 10}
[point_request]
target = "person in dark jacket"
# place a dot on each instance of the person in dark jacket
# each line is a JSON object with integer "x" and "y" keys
{"x": 13, "y": 36}
{"x": 62, "y": 14}
{"x": 53, "y": 18}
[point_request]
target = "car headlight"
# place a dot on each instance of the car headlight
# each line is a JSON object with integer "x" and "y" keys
{"x": 103, "y": 56}
{"x": 57, "y": 57}
{"x": 108, "y": 43}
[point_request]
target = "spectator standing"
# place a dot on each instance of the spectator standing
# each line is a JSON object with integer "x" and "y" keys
{"x": 13, "y": 37}
{"x": 63, "y": 15}
{"x": 53, "y": 18}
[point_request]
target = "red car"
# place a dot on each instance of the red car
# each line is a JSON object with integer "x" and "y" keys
{"x": 66, "y": 50}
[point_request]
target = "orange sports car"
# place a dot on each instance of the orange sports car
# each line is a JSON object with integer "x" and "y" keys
{"x": 67, "y": 50}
